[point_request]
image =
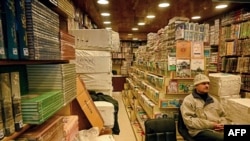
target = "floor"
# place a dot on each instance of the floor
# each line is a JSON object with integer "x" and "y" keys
{"x": 126, "y": 131}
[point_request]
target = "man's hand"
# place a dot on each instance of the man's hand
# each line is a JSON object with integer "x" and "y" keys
{"x": 218, "y": 127}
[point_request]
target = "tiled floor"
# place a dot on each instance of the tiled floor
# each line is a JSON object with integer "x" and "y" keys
{"x": 126, "y": 131}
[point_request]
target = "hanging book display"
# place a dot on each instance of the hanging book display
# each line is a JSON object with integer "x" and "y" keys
{"x": 172, "y": 61}
{"x": 185, "y": 86}
{"x": 183, "y": 68}
{"x": 173, "y": 86}
{"x": 197, "y": 66}
{"x": 197, "y": 49}
{"x": 183, "y": 49}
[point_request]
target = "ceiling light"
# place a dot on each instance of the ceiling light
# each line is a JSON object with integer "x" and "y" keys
{"x": 103, "y": 1}
{"x": 105, "y": 14}
{"x": 221, "y": 6}
{"x": 196, "y": 17}
{"x": 107, "y": 22}
{"x": 163, "y": 4}
{"x": 150, "y": 16}
{"x": 141, "y": 23}
{"x": 108, "y": 28}
{"x": 130, "y": 34}
{"x": 134, "y": 28}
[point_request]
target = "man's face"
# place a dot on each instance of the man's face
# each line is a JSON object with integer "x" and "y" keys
{"x": 202, "y": 87}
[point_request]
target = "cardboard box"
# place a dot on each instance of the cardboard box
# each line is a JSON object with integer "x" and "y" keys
{"x": 70, "y": 126}
{"x": 107, "y": 112}
{"x": 223, "y": 84}
{"x": 87, "y": 105}
{"x": 96, "y": 39}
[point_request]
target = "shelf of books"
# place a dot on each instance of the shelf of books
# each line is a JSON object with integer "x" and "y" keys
{"x": 234, "y": 45}
{"x": 163, "y": 69}
{"x": 36, "y": 79}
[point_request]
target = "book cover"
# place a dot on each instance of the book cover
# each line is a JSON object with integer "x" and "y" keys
{"x": 15, "y": 85}
{"x": 21, "y": 29}
{"x": 185, "y": 86}
{"x": 9, "y": 27}
{"x": 17, "y": 114}
{"x": 197, "y": 66}
{"x": 183, "y": 68}
{"x": 207, "y": 52}
{"x": 8, "y": 120}
{"x": 197, "y": 49}
{"x": 1, "y": 123}
{"x": 172, "y": 61}
{"x": 5, "y": 87}
{"x": 183, "y": 49}
{"x": 179, "y": 31}
{"x": 2, "y": 48}
{"x": 172, "y": 86}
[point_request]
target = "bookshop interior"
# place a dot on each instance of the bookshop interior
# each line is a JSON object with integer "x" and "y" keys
{"x": 118, "y": 70}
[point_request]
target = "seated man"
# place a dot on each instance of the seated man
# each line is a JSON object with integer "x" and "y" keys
{"x": 202, "y": 114}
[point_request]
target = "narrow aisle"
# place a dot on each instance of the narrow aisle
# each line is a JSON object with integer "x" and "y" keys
{"x": 126, "y": 131}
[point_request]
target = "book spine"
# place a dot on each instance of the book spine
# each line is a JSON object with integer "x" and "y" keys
{"x": 9, "y": 28}
{"x": 21, "y": 30}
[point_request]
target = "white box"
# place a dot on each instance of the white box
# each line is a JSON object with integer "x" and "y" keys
{"x": 97, "y": 81}
{"x": 106, "y": 110}
{"x": 88, "y": 61}
{"x": 238, "y": 110}
{"x": 96, "y": 39}
{"x": 223, "y": 84}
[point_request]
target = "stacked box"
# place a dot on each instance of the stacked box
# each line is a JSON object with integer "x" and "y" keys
{"x": 70, "y": 127}
{"x": 90, "y": 62}
{"x": 238, "y": 110}
{"x": 96, "y": 39}
{"x": 51, "y": 130}
{"x": 223, "y": 84}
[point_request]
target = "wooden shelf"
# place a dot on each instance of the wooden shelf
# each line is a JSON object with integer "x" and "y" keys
{"x": 16, "y": 134}
{"x": 178, "y": 93}
{"x": 29, "y": 62}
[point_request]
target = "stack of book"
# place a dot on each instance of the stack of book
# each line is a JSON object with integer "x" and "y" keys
{"x": 53, "y": 77}
{"x": 37, "y": 107}
{"x": 42, "y": 31}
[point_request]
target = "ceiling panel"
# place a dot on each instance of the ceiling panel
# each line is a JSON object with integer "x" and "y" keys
{"x": 126, "y": 13}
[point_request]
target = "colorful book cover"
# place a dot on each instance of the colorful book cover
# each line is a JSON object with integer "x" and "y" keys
{"x": 172, "y": 61}
{"x": 173, "y": 86}
{"x": 183, "y": 49}
{"x": 183, "y": 68}
{"x": 185, "y": 86}
{"x": 197, "y": 49}
{"x": 179, "y": 31}
{"x": 197, "y": 66}
{"x": 207, "y": 52}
